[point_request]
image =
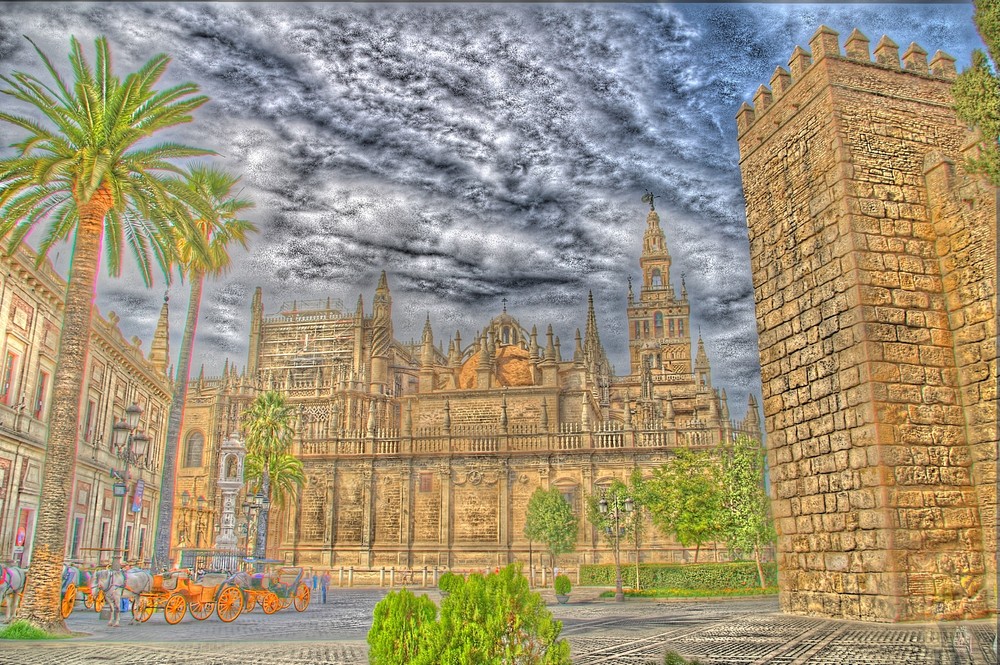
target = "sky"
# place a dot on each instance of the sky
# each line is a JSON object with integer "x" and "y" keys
{"x": 475, "y": 152}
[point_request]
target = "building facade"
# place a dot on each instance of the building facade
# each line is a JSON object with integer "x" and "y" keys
{"x": 874, "y": 263}
{"x": 118, "y": 374}
{"x": 426, "y": 454}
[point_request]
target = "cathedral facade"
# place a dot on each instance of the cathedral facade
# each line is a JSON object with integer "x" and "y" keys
{"x": 425, "y": 454}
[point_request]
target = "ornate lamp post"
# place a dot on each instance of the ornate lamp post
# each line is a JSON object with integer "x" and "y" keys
{"x": 196, "y": 517}
{"x": 619, "y": 509}
{"x": 130, "y": 447}
{"x": 263, "y": 503}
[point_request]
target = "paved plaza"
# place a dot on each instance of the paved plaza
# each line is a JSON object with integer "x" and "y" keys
{"x": 717, "y": 632}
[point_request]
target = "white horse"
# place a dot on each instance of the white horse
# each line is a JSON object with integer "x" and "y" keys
{"x": 12, "y": 586}
{"x": 118, "y": 584}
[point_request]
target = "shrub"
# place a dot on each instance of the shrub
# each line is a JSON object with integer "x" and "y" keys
{"x": 563, "y": 585}
{"x": 489, "y": 620}
{"x": 734, "y": 575}
{"x": 397, "y": 635}
{"x": 450, "y": 581}
{"x": 674, "y": 658}
{"x": 22, "y": 630}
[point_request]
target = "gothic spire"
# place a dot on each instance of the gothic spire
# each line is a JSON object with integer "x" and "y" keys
{"x": 159, "y": 350}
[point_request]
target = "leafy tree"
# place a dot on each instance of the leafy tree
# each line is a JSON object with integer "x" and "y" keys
{"x": 550, "y": 521}
{"x": 216, "y": 211}
{"x": 747, "y": 525}
{"x": 268, "y": 425}
{"x": 685, "y": 499}
{"x": 977, "y": 91}
{"x": 485, "y": 620}
{"x": 87, "y": 169}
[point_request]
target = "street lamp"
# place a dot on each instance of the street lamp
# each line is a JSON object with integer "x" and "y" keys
{"x": 263, "y": 504}
{"x": 196, "y": 517}
{"x": 130, "y": 447}
{"x": 616, "y": 512}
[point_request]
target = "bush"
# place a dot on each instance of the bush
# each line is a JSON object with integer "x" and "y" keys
{"x": 674, "y": 658}
{"x": 22, "y": 630}
{"x": 563, "y": 585}
{"x": 489, "y": 620}
{"x": 449, "y": 581}
{"x": 396, "y": 636}
{"x": 734, "y": 575}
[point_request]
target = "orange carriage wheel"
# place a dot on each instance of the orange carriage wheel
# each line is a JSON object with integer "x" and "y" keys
{"x": 143, "y": 608}
{"x": 302, "y": 596}
{"x": 88, "y": 600}
{"x": 99, "y": 601}
{"x": 249, "y": 600}
{"x": 201, "y": 611}
{"x": 229, "y": 604}
{"x": 175, "y": 608}
{"x": 270, "y": 603}
{"x": 285, "y": 601}
{"x": 68, "y": 600}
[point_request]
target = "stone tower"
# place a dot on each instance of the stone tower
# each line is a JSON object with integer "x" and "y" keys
{"x": 658, "y": 324}
{"x": 873, "y": 259}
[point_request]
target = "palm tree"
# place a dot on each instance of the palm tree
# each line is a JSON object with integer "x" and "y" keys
{"x": 88, "y": 171}
{"x": 268, "y": 425}
{"x": 285, "y": 474}
{"x": 215, "y": 212}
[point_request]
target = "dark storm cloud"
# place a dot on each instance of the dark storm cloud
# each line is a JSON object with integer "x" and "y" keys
{"x": 474, "y": 152}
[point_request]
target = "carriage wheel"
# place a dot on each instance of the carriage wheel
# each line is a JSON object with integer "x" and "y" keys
{"x": 270, "y": 603}
{"x": 142, "y": 609}
{"x": 285, "y": 601}
{"x": 229, "y": 604}
{"x": 201, "y": 611}
{"x": 174, "y": 610}
{"x": 68, "y": 601}
{"x": 88, "y": 600}
{"x": 302, "y": 596}
{"x": 249, "y": 601}
{"x": 99, "y": 601}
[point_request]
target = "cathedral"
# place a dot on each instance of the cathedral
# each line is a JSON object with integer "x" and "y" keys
{"x": 425, "y": 454}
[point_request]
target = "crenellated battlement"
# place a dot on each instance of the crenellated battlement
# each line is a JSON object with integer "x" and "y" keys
{"x": 825, "y": 43}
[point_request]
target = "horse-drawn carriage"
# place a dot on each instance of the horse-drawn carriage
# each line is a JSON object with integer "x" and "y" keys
{"x": 76, "y": 584}
{"x": 276, "y": 591}
{"x": 176, "y": 593}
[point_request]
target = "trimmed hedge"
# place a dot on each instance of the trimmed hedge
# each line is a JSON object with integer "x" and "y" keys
{"x": 734, "y": 575}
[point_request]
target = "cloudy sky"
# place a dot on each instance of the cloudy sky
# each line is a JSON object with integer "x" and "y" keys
{"x": 474, "y": 152}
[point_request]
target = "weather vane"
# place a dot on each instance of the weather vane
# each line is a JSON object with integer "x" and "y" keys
{"x": 648, "y": 198}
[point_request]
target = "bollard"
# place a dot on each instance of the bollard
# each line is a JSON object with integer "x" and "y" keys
{"x": 392, "y": 577}
{"x": 381, "y": 577}
{"x": 424, "y": 582}
{"x": 340, "y": 577}
{"x": 543, "y": 576}
{"x": 350, "y": 576}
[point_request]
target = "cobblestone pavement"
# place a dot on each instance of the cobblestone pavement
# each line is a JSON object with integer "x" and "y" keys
{"x": 717, "y": 632}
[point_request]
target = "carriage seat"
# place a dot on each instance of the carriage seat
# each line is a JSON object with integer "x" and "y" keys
{"x": 167, "y": 581}
{"x": 212, "y": 579}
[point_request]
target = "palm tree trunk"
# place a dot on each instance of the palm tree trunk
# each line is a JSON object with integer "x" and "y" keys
{"x": 42, "y": 593}
{"x": 760, "y": 568}
{"x": 165, "y": 515}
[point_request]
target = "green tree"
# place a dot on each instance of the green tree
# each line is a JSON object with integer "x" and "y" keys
{"x": 485, "y": 620}
{"x": 977, "y": 91}
{"x": 550, "y": 521}
{"x": 268, "y": 427}
{"x": 88, "y": 170}
{"x": 685, "y": 499}
{"x": 746, "y": 519}
{"x": 215, "y": 212}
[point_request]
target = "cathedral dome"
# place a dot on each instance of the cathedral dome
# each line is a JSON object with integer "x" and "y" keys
{"x": 512, "y": 368}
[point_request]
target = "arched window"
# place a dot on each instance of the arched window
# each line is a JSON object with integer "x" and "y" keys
{"x": 680, "y": 327}
{"x": 505, "y": 335}
{"x": 671, "y": 327}
{"x": 658, "y": 323}
{"x": 194, "y": 448}
{"x": 656, "y": 279}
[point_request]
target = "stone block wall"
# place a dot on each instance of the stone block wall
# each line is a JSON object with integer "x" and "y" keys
{"x": 873, "y": 258}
